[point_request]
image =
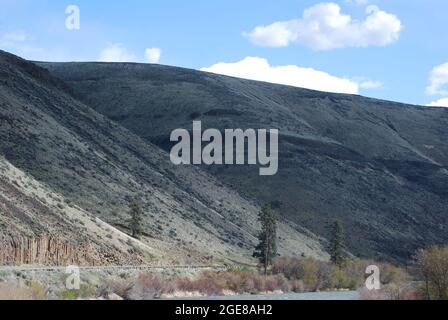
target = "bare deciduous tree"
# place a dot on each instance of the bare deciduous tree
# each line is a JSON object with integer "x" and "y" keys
{"x": 432, "y": 267}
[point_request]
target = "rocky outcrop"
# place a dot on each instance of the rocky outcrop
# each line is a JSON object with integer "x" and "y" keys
{"x": 41, "y": 251}
{"x": 50, "y": 251}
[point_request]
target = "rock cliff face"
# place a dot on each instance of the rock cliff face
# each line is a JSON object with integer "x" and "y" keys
{"x": 40, "y": 251}
{"x": 49, "y": 251}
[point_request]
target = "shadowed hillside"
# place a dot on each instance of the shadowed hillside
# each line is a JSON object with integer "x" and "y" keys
{"x": 99, "y": 167}
{"x": 380, "y": 167}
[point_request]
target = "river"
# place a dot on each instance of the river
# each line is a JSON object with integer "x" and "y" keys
{"x": 339, "y": 295}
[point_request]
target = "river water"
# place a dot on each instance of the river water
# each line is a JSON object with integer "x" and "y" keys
{"x": 340, "y": 295}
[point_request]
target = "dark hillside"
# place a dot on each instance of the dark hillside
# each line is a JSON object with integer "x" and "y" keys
{"x": 99, "y": 167}
{"x": 379, "y": 166}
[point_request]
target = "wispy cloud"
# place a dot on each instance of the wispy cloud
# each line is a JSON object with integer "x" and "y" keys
{"x": 438, "y": 85}
{"x": 371, "y": 84}
{"x": 438, "y": 80}
{"x": 21, "y": 43}
{"x": 15, "y": 36}
{"x": 357, "y": 2}
{"x": 153, "y": 55}
{"x": 116, "y": 52}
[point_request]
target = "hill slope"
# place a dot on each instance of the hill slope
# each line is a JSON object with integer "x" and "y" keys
{"x": 37, "y": 226}
{"x": 100, "y": 167}
{"x": 380, "y": 167}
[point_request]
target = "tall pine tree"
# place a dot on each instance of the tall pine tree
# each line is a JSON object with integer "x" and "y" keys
{"x": 136, "y": 212}
{"x": 266, "y": 250}
{"x": 337, "y": 244}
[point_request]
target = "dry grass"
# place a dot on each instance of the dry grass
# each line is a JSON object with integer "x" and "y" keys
{"x": 14, "y": 291}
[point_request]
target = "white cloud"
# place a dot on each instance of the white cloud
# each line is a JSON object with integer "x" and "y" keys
{"x": 324, "y": 27}
{"x": 438, "y": 85}
{"x": 255, "y": 68}
{"x": 116, "y": 52}
{"x": 371, "y": 84}
{"x": 13, "y": 39}
{"x": 438, "y": 80}
{"x": 15, "y": 36}
{"x": 153, "y": 55}
{"x": 20, "y": 43}
{"x": 439, "y": 103}
{"x": 357, "y": 2}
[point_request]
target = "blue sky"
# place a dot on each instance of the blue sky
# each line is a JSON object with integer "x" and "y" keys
{"x": 400, "y": 53}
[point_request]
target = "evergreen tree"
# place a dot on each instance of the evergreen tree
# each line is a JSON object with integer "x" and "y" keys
{"x": 266, "y": 250}
{"x": 337, "y": 244}
{"x": 136, "y": 213}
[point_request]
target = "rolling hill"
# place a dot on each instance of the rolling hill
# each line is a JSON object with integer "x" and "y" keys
{"x": 68, "y": 175}
{"x": 380, "y": 167}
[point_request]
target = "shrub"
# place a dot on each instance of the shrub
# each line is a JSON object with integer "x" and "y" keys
{"x": 310, "y": 275}
{"x": 341, "y": 280}
{"x": 288, "y": 274}
{"x": 311, "y": 272}
{"x": 356, "y": 269}
{"x": 275, "y": 283}
{"x": 402, "y": 291}
{"x": 181, "y": 284}
{"x": 145, "y": 287}
{"x": 118, "y": 287}
{"x": 289, "y": 267}
{"x": 297, "y": 286}
{"x": 84, "y": 292}
{"x": 207, "y": 287}
{"x": 391, "y": 274}
{"x": 432, "y": 269}
{"x": 207, "y": 283}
